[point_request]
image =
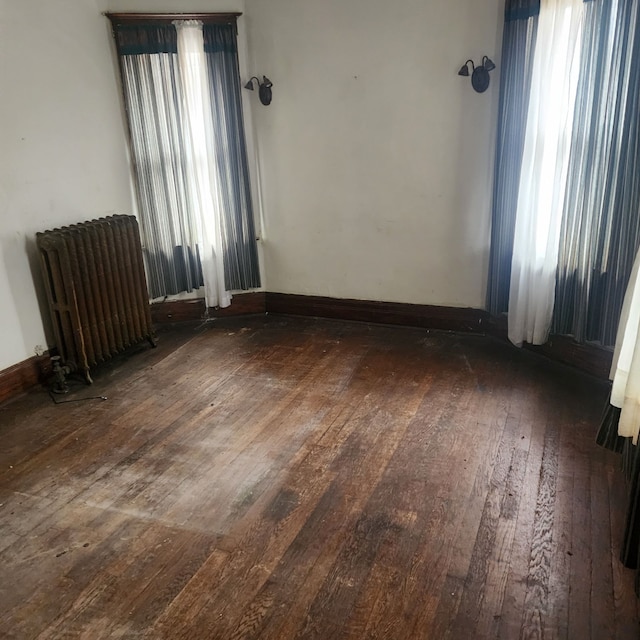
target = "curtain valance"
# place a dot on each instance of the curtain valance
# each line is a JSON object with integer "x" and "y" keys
{"x": 521, "y": 9}
{"x": 219, "y": 39}
{"x": 138, "y": 39}
{"x": 149, "y": 33}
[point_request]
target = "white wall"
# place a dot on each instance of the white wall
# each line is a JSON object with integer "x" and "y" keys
{"x": 63, "y": 147}
{"x": 376, "y": 156}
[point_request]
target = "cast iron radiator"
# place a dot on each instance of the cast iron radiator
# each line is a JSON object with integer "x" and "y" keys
{"x": 97, "y": 291}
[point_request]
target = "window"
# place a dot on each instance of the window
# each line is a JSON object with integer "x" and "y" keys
{"x": 181, "y": 88}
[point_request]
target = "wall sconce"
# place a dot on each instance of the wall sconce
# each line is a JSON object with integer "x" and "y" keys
{"x": 264, "y": 89}
{"x": 480, "y": 75}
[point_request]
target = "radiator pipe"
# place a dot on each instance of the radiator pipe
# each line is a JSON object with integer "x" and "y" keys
{"x": 60, "y": 374}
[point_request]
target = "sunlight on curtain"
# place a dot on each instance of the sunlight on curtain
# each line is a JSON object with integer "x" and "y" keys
{"x": 518, "y": 48}
{"x": 621, "y": 423}
{"x": 201, "y": 159}
{"x": 625, "y": 371}
{"x": 157, "y": 148}
{"x": 542, "y": 184}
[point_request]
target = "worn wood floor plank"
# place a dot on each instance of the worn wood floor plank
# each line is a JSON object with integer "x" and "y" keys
{"x": 272, "y": 478}
{"x": 536, "y": 602}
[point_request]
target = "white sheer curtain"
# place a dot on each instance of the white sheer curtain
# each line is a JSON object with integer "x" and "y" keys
{"x": 200, "y": 160}
{"x": 625, "y": 370}
{"x": 544, "y": 170}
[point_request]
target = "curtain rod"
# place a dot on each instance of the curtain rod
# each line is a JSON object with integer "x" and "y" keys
{"x": 170, "y": 17}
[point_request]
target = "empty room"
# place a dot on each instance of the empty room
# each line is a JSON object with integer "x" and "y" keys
{"x": 319, "y": 319}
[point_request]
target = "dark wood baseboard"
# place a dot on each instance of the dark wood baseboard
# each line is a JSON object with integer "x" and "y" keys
{"x": 23, "y": 376}
{"x": 242, "y": 304}
{"x": 592, "y": 359}
{"x": 190, "y": 310}
{"x": 177, "y": 311}
{"x": 395, "y": 313}
{"x": 589, "y": 358}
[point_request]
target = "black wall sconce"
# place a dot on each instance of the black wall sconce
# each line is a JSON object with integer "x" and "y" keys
{"x": 480, "y": 75}
{"x": 264, "y": 89}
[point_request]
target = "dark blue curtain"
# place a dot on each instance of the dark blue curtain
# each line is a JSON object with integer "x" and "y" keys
{"x": 601, "y": 218}
{"x": 241, "y": 255}
{"x": 518, "y": 47}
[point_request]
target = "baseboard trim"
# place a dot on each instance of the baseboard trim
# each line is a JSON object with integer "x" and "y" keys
{"x": 193, "y": 310}
{"x": 242, "y": 304}
{"x": 23, "y": 376}
{"x": 177, "y": 311}
{"x": 591, "y": 359}
{"x": 466, "y": 319}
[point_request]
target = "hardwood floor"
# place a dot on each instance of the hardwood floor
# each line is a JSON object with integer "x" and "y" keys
{"x": 275, "y": 478}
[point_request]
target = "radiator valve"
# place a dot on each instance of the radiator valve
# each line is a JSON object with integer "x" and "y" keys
{"x": 60, "y": 373}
